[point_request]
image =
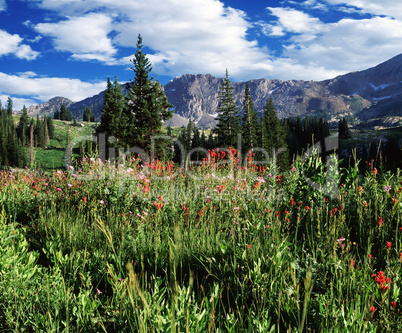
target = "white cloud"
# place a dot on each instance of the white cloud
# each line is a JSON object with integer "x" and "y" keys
{"x": 295, "y": 21}
{"x": 3, "y": 6}
{"x": 392, "y": 8}
{"x": 18, "y": 102}
{"x": 204, "y": 36}
{"x": 86, "y": 37}
{"x": 44, "y": 88}
{"x": 11, "y": 44}
{"x": 350, "y": 44}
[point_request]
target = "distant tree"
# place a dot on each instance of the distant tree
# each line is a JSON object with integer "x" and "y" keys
{"x": 9, "y": 106}
{"x": 57, "y": 114}
{"x": 228, "y": 126}
{"x": 344, "y": 132}
{"x": 147, "y": 107}
{"x": 39, "y": 132}
{"x": 23, "y": 126}
{"x": 50, "y": 127}
{"x": 249, "y": 122}
{"x": 274, "y": 134}
{"x": 65, "y": 113}
{"x": 114, "y": 120}
{"x": 88, "y": 115}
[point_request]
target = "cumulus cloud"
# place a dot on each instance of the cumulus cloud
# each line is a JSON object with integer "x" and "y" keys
{"x": 12, "y": 44}
{"x": 295, "y": 21}
{"x": 33, "y": 88}
{"x": 205, "y": 36}
{"x": 2, "y": 5}
{"x": 389, "y": 8}
{"x": 349, "y": 44}
{"x": 86, "y": 37}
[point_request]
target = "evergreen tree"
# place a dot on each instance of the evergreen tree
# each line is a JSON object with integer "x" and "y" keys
{"x": 88, "y": 115}
{"x": 9, "y": 106}
{"x": 65, "y": 113}
{"x": 22, "y": 127}
{"x": 344, "y": 132}
{"x": 39, "y": 133}
{"x": 114, "y": 119}
{"x": 228, "y": 119}
{"x": 274, "y": 134}
{"x": 249, "y": 122}
{"x": 57, "y": 114}
{"x": 148, "y": 105}
{"x": 50, "y": 127}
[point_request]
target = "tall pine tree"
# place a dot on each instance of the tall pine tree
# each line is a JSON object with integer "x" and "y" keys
{"x": 148, "y": 105}
{"x": 114, "y": 120}
{"x": 249, "y": 122}
{"x": 228, "y": 118}
{"x": 274, "y": 135}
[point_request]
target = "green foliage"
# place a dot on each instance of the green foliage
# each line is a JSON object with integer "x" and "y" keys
{"x": 124, "y": 250}
{"x": 250, "y": 126}
{"x": 147, "y": 106}
{"x": 228, "y": 126}
{"x": 88, "y": 114}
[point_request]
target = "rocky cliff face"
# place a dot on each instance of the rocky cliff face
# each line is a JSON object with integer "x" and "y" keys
{"x": 49, "y": 107}
{"x": 373, "y": 95}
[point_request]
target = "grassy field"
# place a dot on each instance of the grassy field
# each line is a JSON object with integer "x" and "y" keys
{"x": 212, "y": 248}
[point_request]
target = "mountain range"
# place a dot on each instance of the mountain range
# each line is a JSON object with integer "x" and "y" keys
{"x": 371, "y": 97}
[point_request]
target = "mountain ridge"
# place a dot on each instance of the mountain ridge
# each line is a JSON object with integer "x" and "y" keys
{"x": 370, "y": 96}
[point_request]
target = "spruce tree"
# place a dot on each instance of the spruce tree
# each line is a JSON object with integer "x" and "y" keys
{"x": 274, "y": 135}
{"x": 114, "y": 118}
{"x": 148, "y": 105}
{"x": 22, "y": 127}
{"x": 228, "y": 119}
{"x": 249, "y": 122}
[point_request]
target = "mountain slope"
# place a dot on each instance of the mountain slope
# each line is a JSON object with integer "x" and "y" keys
{"x": 373, "y": 95}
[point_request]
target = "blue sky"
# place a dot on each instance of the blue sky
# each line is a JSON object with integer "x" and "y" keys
{"x": 68, "y": 48}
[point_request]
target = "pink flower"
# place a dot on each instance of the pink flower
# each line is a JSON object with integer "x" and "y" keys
{"x": 101, "y": 202}
{"x": 98, "y": 291}
{"x": 373, "y": 309}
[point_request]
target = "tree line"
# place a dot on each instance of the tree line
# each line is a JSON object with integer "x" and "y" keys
{"x": 17, "y": 140}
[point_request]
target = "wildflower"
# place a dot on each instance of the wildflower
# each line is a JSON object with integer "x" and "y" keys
{"x": 101, "y": 202}
{"x": 360, "y": 189}
{"x": 373, "y": 309}
{"x": 84, "y": 199}
{"x": 307, "y": 208}
{"x": 292, "y": 202}
{"x": 158, "y": 205}
{"x": 351, "y": 264}
{"x": 374, "y": 172}
{"x": 393, "y": 304}
{"x": 340, "y": 239}
{"x": 380, "y": 221}
{"x": 370, "y": 256}
{"x": 387, "y": 188}
{"x": 98, "y": 291}
{"x": 389, "y": 244}
{"x": 293, "y": 169}
{"x": 200, "y": 212}
{"x": 69, "y": 185}
{"x": 365, "y": 203}
{"x": 248, "y": 246}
